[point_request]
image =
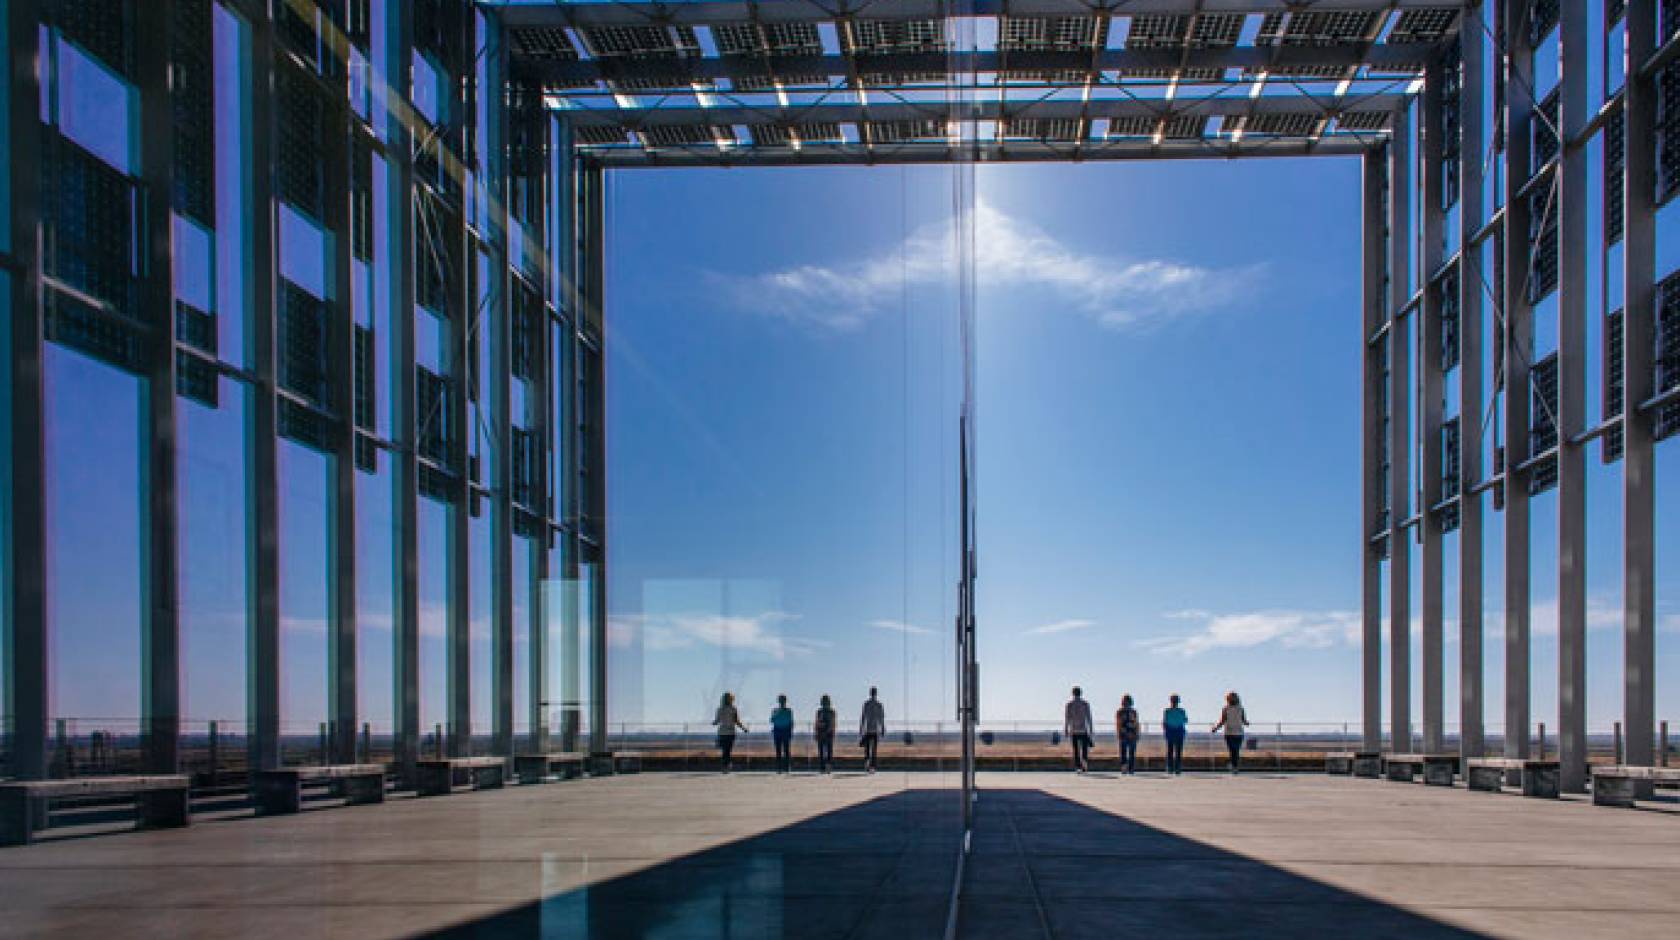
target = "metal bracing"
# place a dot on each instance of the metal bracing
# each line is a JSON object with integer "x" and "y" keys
{"x": 1517, "y": 351}
{"x": 1471, "y": 356}
{"x": 1400, "y": 322}
{"x": 1573, "y": 115}
{"x": 25, "y": 623}
{"x": 1639, "y": 103}
{"x": 1373, "y": 314}
{"x": 1430, "y": 385}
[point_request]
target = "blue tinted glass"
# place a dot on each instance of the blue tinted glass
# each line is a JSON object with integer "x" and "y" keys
{"x": 428, "y": 90}
{"x": 233, "y": 218}
{"x": 96, "y": 108}
{"x": 481, "y": 650}
{"x": 214, "y": 600}
{"x": 303, "y": 252}
{"x": 431, "y": 340}
{"x": 304, "y": 610}
{"x": 433, "y": 558}
{"x": 194, "y": 274}
{"x": 375, "y": 642}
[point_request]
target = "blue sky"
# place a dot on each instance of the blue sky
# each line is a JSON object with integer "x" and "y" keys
{"x": 1168, "y": 444}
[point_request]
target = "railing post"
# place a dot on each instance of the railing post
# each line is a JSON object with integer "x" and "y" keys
{"x": 1542, "y": 740}
{"x": 1618, "y": 742}
{"x": 1662, "y": 755}
{"x": 215, "y": 751}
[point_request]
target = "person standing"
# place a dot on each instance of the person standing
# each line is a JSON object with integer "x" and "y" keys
{"x": 871, "y": 726}
{"x": 727, "y": 720}
{"x": 1174, "y": 723}
{"x": 781, "y": 734}
{"x": 824, "y": 729}
{"x": 1127, "y": 729}
{"x": 1235, "y": 721}
{"x": 1077, "y": 725}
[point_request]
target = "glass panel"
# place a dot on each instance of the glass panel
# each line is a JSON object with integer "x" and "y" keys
{"x": 95, "y": 558}
{"x": 303, "y": 252}
{"x": 433, "y": 557}
{"x": 480, "y": 647}
{"x": 215, "y": 601}
{"x": 233, "y": 215}
{"x": 375, "y": 586}
{"x": 97, "y": 108}
{"x": 305, "y": 613}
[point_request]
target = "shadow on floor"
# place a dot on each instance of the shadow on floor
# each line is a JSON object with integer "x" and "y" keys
{"x": 1040, "y": 866}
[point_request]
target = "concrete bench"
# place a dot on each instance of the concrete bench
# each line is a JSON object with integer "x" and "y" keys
{"x": 280, "y": 791}
{"x": 436, "y": 777}
{"x": 1438, "y": 769}
{"x": 1619, "y": 786}
{"x": 602, "y": 764}
{"x": 1357, "y": 763}
{"x": 1539, "y": 777}
{"x": 160, "y": 801}
{"x": 627, "y": 762}
{"x": 536, "y": 768}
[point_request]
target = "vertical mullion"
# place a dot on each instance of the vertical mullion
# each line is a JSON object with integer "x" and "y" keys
{"x": 1518, "y": 336}
{"x": 1431, "y": 412}
{"x": 264, "y": 736}
{"x": 406, "y": 478}
{"x": 592, "y": 312}
{"x": 1371, "y": 318}
{"x": 1470, "y": 207}
{"x": 1399, "y": 454}
{"x": 499, "y": 336}
{"x": 461, "y": 256}
{"x": 1638, "y": 345}
{"x": 1572, "y": 399}
{"x": 26, "y": 524}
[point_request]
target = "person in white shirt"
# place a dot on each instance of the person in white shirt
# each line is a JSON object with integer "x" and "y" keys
{"x": 727, "y": 720}
{"x": 1234, "y": 720}
{"x": 871, "y": 726}
{"x": 1077, "y": 725}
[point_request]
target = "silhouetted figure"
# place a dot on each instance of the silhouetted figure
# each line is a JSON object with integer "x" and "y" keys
{"x": 781, "y": 734}
{"x": 871, "y": 726}
{"x": 1174, "y": 724}
{"x": 1234, "y": 720}
{"x": 1077, "y": 724}
{"x": 727, "y": 720}
{"x": 1127, "y": 729}
{"x": 824, "y": 729}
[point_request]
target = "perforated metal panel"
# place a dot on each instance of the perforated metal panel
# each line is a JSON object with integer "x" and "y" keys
{"x": 90, "y": 215}
{"x": 305, "y": 425}
{"x": 1447, "y": 300}
{"x": 1615, "y": 372}
{"x": 1667, "y": 354}
{"x": 195, "y": 328}
{"x": 1450, "y": 476}
{"x": 192, "y": 98}
{"x": 1543, "y": 433}
{"x": 301, "y": 117}
{"x": 1615, "y": 158}
{"x": 1452, "y": 132}
{"x": 303, "y": 344}
{"x": 102, "y": 27}
{"x": 115, "y": 340}
{"x": 196, "y": 378}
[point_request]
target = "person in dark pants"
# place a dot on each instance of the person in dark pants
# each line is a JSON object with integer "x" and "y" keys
{"x": 1077, "y": 725}
{"x": 1127, "y": 729}
{"x": 1234, "y": 720}
{"x": 781, "y": 733}
{"x": 1174, "y": 723}
{"x": 824, "y": 729}
{"x": 871, "y": 726}
{"x": 727, "y": 720}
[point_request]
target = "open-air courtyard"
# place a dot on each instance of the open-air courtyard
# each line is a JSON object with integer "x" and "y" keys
{"x": 758, "y": 855}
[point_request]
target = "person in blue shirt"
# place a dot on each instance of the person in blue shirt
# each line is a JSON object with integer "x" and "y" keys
{"x": 781, "y": 732}
{"x": 1174, "y": 722}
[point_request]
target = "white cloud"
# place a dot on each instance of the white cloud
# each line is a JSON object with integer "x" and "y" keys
{"x": 1295, "y": 629}
{"x": 1060, "y": 626}
{"x": 759, "y": 634}
{"x": 1116, "y": 292}
{"x": 898, "y": 626}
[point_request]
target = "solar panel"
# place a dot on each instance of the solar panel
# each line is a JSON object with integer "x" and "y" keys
{"x": 1184, "y": 126}
{"x": 546, "y": 43}
{"x": 1292, "y": 124}
{"x": 1317, "y": 29}
{"x": 1216, "y": 30}
{"x": 1363, "y": 120}
{"x": 642, "y": 42}
{"x": 1051, "y": 33}
{"x": 885, "y": 37}
{"x": 760, "y": 42}
{"x": 891, "y": 132}
{"x": 599, "y": 134}
{"x": 1428, "y": 25}
{"x": 1158, "y": 31}
{"x": 782, "y": 135}
{"x": 1132, "y": 126}
{"x": 683, "y": 135}
{"x": 1065, "y": 129}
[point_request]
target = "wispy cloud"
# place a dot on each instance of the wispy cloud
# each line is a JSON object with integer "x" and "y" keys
{"x": 1115, "y": 291}
{"x": 1295, "y": 629}
{"x": 1059, "y": 626}
{"x": 898, "y": 626}
{"x": 762, "y": 634}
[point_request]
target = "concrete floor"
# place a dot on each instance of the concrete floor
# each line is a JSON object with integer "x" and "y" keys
{"x": 679, "y": 855}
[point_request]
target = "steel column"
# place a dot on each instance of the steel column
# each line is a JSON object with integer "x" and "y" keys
{"x": 593, "y": 314}
{"x": 1574, "y": 113}
{"x": 495, "y": 330}
{"x": 1638, "y": 344}
{"x": 1518, "y": 351}
{"x": 1431, "y": 411}
{"x": 25, "y": 532}
{"x": 406, "y": 478}
{"x": 1399, "y": 434}
{"x": 1372, "y": 314}
{"x": 1470, "y": 402}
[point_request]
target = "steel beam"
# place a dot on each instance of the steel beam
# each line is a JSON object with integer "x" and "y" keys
{"x": 1518, "y": 352}
{"x": 25, "y": 521}
{"x": 1372, "y": 308}
{"x": 1574, "y": 112}
{"x": 1638, "y": 345}
{"x": 1472, "y": 57}
{"x": 1399, "y": 434}
{"x": 945, "y": 151}
{"x": 1431, "y": 386}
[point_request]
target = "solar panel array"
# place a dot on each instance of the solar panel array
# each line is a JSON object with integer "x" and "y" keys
{"x": 636, "y": 56}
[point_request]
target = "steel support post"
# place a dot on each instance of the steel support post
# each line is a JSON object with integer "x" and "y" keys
{"x": 1571, "y": 205}
{"x": 1638, "y": 345}
{"x": 25, "y": 522}
{"x": 1372, "y": 306}
{"x": 1400, "y": 323}
{"x": 593, "y": 314}
{"x": 1472, "y": 58}
{"x": 495, "y": 329}
{"x": 1431, "y": 410}
{"x": 406, "y": 478}
{"x": 263, "y": 738}
{"x": 1518, "y": 352}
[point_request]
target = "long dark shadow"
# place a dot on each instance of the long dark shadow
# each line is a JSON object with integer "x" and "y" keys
{"x": 1040, "y": 866}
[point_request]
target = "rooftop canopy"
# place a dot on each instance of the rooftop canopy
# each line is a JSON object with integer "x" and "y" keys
{"x": 719, "y": 82}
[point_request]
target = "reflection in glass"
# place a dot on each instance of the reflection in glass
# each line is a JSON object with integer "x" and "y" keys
{"x": 304, "y": 600}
